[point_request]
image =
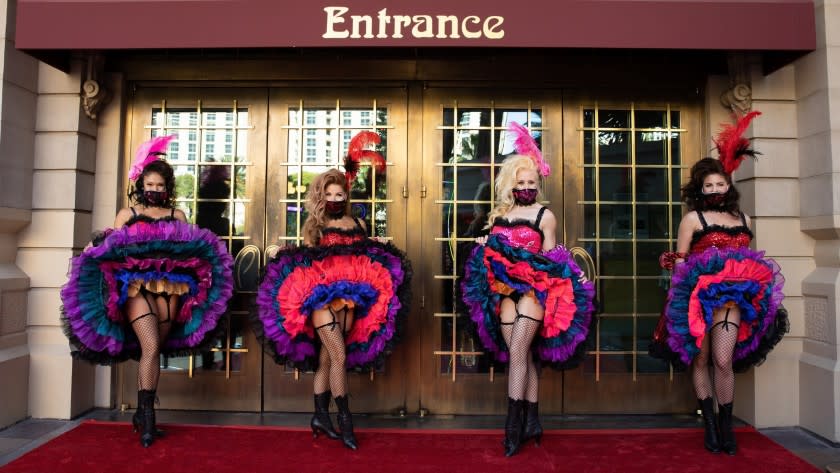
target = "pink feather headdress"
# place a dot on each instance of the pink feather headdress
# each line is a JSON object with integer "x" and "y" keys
{"x": 732, "y": 146}
{"x": 357, "y": 152}
{"x": 148, "y": 152}
{"x": 525, "y": 145}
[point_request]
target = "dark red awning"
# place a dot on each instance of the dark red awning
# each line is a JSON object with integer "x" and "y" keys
{"x": 766, "y": 25}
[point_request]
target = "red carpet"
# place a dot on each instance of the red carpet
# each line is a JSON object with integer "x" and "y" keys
{"x": 113, "y": 448}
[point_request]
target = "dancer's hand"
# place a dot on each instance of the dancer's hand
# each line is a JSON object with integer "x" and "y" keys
{"x": 482, "y": 240}
{"x": 378, "y": 239}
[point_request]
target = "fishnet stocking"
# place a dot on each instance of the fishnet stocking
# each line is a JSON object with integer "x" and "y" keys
{"x": 724, "y": 338}
{"x": 700, "y": 371}
{"x": 322, "y": 374}
{"x": 719, "y": 343}
{"x": 146, "y": 328}
{"x": 332, "y": 339}
{"x": 532, "y": 386}
{"x": 522, "y": 334}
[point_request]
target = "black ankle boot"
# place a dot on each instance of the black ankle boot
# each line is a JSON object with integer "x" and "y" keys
{"x": 710, "y": 437}
{"x": 137, "y": 419}
{"x": 532, "y": 428}
{"x": 147, "y": 404}
{"x": 321, "y": 421}
{"x": 727, "y": 436}
{"x": 345, "y": 423}
{"x": 513, "y": 426}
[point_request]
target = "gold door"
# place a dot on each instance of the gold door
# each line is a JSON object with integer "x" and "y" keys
{"x": 219, "y": 158}
{"x": 464, "y": 143}
{"x": 616, "y": 170}
{"x": 624, "y": 163}
{"x": 309, "y": 132}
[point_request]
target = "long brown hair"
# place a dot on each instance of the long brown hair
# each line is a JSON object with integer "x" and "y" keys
{"x": 316, "y": 220}
{"x": 692, "y": 192}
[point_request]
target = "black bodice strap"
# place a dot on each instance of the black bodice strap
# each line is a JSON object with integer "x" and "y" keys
{"x": 702, "y": 220}
{"x": 539, "y": 216}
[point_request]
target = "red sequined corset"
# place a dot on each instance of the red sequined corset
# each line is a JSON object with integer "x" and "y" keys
{"x": 341, "y": 236}
{"x": 521, "y": 233}
{"x": 719, "y": 236}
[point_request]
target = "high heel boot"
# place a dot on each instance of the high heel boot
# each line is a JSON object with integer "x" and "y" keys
{"x": 513, "y": 426}
{"x": 345, "y": 423}
{"x": 321, "y": 421}
{"x": 710, "y": 437}
{"x": 532, "y": 427}
{"x": 727, "y": 436}
{"x": 147, "y": 403}
{"x": 137, "y": 419}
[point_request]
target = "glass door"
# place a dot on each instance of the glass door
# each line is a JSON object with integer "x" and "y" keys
{"x": 624, "y": 162}
{"x": 309, "y": 130}
{"x": 464, "y": 142}
{"x": 219, "y": 159}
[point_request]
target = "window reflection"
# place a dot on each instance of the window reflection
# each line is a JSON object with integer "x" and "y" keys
{"x": 630, "y": 210}
{"x": 474, "y": 143}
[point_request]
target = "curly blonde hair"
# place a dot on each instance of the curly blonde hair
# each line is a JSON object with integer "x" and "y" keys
{"x": 506, "y": 181}
{"x": 316, "y": 219}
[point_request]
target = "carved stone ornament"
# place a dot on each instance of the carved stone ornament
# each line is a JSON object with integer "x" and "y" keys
{"x": 94, "y": 94}
{"x": 738, "y": 97}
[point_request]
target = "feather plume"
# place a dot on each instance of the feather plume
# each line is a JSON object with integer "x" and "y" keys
{"x": 147, "y": 153}
{"x": 525, "y": 145}
{"x": 732, "y": 146}
{"x": 357, "y": 153}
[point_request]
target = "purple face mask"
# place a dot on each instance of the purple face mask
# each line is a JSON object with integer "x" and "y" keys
{"x": 155, "y": 198}
{"x": 525, "y": 196}
{"x": 335, "y": 208}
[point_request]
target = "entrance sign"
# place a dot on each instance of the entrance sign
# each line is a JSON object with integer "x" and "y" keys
{"x": 416, "y": 26}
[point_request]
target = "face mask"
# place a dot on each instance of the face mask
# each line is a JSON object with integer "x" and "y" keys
{"x": 335, "y": 208}
{"x": 155, "y": 198}
{"x": 525, "y": 196}
{"x": 715, "y": 199}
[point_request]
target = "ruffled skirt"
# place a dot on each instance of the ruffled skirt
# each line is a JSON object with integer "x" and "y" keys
{"x": 196, "y": 267}
{"x": 371, "y": 277}
{"x": 716, "y": 279}
{"x": 496, "y": 270}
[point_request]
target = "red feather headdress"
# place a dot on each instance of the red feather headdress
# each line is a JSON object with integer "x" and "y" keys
{"x": 525, "y": 145}
{"x": 148, "y": 152}
{"x": 357, "y": 152}
{"x": 732, "y": 147}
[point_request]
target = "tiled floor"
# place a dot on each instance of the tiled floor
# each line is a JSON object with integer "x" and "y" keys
{"x": 29, "y": 434}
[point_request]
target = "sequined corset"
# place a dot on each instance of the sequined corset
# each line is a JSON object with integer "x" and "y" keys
{"x": 520, "y": 232}
{"x": 143, "y": 219}
{"x": 719, "y": 236}
{"x": 341, "y": 236}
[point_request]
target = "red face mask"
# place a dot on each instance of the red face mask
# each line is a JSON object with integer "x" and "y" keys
{"x": 715, "y": 199}
{"x": 335, "y": 208}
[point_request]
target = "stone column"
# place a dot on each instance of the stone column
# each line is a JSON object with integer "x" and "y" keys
{"x": 18, "y": 89}
{"x": 770, "y": 188}
{"x": 768, "y": 395}
{"x": 818, "y": 118}
{"x": 62, "y": 202}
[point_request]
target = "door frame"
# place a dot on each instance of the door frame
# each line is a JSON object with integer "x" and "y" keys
{"x": 228, "y": 390}
{"x": 381, "y": 391}
{"x": 443, "y": 393}
{"x": 631, "y": 392}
